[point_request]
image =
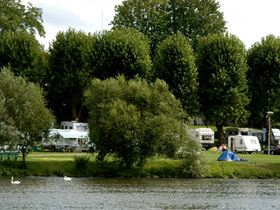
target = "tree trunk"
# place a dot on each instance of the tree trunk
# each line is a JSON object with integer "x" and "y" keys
{"x": 23, "y": 152}
{"x": 74, "y": 111}
{"x": 220, "y": 132}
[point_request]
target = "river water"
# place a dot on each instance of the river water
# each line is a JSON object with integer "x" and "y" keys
{"x": 101, "y": 193}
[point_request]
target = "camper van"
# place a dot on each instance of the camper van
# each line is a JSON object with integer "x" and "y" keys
{"x": 245, "y": 132}
{"x": 73, "y": 135}
{"x": 240, "y": 143}
{"x": 205, "y": 136}
{"x": 275, "y": 135}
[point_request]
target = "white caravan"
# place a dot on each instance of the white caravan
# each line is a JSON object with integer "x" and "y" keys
{"x": 205, "y": 136}
{"x": 241, "y": 143}
{"x": 276, "y": 135}
{"x": 72, "y": 135}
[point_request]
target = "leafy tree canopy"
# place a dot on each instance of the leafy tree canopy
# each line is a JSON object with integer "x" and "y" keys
{"x": 23, "y": 53}
{"x": 135, "y": 120}
{"x": 174, "y": 62}
{"x": 123, "y": 51}
{"x": 16, "y": 16}
{"x": 223, "y": 91}
{"x": 159, "y": 18}
{"x": 24, "y": 117}
{"x": 68, "y": 73}
{"x": 264, "y": 80}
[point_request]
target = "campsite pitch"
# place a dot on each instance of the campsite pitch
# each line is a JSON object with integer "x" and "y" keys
{"x": 258, "y": 166}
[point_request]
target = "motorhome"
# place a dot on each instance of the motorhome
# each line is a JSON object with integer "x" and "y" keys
{"x": 260, "y": 134}
{"x": 205, "y": 136}
{"x": 73, "y": 135}
{"x": 240, "y": 143}
{"x": 74, "y": 125}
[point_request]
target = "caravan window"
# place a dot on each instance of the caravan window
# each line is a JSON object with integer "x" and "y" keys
{"x": 81, "y": 128}
{"x": 244, "y": 133}
{"x": 206, "y": 137}
{"x": 232, "y": 133}
{"x": 259, "y": 136}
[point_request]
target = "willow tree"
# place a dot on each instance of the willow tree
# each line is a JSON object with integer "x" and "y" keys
{"x": 223, "y": 90}
{"x": 134, "y": 120}
{"x": 24, "y": 118}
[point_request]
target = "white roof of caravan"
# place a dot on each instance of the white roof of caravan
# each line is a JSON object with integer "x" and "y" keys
{"x": 276, "y": 131}
{"x": 204, "y": 130}
{"x": 69, "y": 134}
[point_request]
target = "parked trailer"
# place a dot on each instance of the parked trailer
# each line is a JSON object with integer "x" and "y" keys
{"x": 205, "y": 136}
{"x": 233, "y": 131}
{"x": 241, "y": 143}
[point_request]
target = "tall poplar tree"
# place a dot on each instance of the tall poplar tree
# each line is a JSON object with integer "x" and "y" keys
{"x": 223, "y": 90}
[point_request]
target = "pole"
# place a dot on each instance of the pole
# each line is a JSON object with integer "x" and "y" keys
{"x": 269, "y": 114}
{"x": 268, "y": 149}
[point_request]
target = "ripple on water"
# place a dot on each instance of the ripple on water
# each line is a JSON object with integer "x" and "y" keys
{"x": 97, "y": 193}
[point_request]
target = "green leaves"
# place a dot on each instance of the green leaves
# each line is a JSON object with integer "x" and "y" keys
{"x": 23, "y": 53}
{"x": 222, "y": 69}
{"x": 174, "y": 62}
{"x": 69, "y": 73}
{"x": 15, "y": 16}
{"x": 264, "y": 79}
{"x": 133, "y": 119}
{"x": 123, "y": 51}
{"x": 159, "y": 18}
{"x": 24, "y": 115}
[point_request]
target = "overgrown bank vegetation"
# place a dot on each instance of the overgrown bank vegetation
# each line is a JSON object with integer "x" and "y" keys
{"x": 259, "y": 166}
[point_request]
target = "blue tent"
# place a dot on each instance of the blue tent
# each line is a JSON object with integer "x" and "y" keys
{"x": 228, "y": 156}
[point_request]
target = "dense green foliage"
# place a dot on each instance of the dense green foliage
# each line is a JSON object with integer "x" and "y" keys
{"x": 264, "y": 80}
{"x": 222, "y": 68}
{"x": 24, "y": 117}
{"x": 174, "y": 62}
{"x": 23, "y": 53}
{"x": 134, "y": 120}
{"x": 16, "y": 16}
{"x": 118, "y": 52}
{"x": 159, "y": 18}
{"x": 68, "y": 73}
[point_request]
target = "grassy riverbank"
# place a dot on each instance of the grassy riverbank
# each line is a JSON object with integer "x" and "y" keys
{"x": 60, "y": 164}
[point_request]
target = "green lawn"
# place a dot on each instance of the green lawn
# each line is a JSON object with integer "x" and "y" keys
{"x": 54, "y": 156}
{"x": 59, "y": 164}
{"x": 258, "y": 166}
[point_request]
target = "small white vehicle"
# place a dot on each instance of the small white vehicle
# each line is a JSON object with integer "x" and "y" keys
{"x": 276, "y": 135}
{"x": 241, "y": 143}
{"x": 205, "y": 136}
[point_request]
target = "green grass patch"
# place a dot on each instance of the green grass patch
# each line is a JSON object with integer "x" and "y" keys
{"x": 258, "y": 166}
{"x": 85, "y": 165}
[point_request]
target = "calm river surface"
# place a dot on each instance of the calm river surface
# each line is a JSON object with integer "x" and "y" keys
{"x": 99, "y": 193}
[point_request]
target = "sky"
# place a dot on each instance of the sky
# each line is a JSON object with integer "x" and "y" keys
{"x": 250, "y": 20}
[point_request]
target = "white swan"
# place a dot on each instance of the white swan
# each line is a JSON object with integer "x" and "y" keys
{"x": 66, "y": 178}
{"x": 14, "y": 182}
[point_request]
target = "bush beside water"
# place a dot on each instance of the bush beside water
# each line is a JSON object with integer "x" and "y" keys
{"x": 258, "y": 166}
